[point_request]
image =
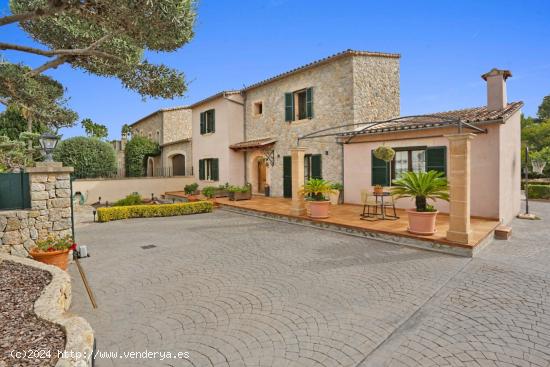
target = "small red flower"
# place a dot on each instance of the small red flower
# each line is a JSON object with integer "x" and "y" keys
{"x": 73, "y": 247}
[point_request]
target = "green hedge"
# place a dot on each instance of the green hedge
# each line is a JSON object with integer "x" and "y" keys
{"x": 147, "y": 211}
{"x": 136, "y": 152}
{"x": 90, "y": 157}
{"x": 539, "y": 191}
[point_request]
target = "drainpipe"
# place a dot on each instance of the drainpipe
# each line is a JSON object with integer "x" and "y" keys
{"x": 342, "y": 168}
{"x": 244, "y": 138}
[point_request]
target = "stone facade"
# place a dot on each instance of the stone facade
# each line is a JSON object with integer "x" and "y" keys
{"x": 50, "y": 210}
{"x": 350, "y": 89}
{"x": 171, "y": 128}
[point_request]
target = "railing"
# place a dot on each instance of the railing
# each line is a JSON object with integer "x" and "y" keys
{"x": 169, "y": 172}
{"x": 14, "y": 191}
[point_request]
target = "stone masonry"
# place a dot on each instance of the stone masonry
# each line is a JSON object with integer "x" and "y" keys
{"x": 352, "y": 88}
{"x": 50, "y": 210}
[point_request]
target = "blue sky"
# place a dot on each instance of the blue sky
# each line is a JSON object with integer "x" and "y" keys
{"x": 445, "y": 47}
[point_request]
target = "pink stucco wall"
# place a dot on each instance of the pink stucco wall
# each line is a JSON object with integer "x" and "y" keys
{"x": 494, "y": 168}
{"x": 510, "y": 168}
{"x": 229, "y": 130}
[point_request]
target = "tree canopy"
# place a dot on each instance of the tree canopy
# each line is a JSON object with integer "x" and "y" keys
{"x": 94, "y": 130}
{"x": 90, "y": 157}
{"x": 543, "y": 112}
{"x": 108, "y": 38}
{"x": 136, "y": 152}
{"x": 13, "y": 123}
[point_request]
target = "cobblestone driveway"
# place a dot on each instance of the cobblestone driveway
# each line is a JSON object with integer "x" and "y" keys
{"x": 234, "y": 290}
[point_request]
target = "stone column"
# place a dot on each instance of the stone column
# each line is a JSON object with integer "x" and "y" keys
{"x": 459, "y": 181}
{"x": 51, "y": 196}
{"x": 298, "y": 204}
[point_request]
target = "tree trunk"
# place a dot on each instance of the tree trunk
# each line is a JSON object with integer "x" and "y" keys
{"x": 420, "y": 203}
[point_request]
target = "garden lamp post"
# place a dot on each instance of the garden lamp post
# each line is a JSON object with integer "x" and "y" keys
{"x": 48, "y": 142}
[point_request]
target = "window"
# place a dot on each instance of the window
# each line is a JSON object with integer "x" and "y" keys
{"x": 158, "y": 136}
{"x": 312, "y": 166}
{"x": 209, "y": 169}
{"x": 208, "y": 121}
{"x": 258, "y": 108}
{"x": 408, "y": 160}
{"x": 416, "y": 159}
{"x": 299, "y": 105}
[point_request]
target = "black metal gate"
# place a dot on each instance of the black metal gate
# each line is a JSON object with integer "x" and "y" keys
{"x": 14, "y": 191}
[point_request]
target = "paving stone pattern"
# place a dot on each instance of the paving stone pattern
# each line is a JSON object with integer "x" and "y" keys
{"x": 234, "y": 290}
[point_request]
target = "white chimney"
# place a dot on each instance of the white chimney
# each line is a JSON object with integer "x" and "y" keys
{"x": 496, "y": 88}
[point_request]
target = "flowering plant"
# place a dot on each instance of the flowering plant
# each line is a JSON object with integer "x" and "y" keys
{"x": 53, "y": 243}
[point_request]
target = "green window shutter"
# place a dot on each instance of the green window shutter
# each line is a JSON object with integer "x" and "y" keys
{"x": 213, "y": 125}
{"x": 436, "y": 159}
{"x": 380, "y": 173}
{"x": 316, "y": 167}
{"x": 215, "y": 170}
{"x": 203, "y": 123}
{"x": 287, "y": 176}
{"x": 201, "y": 169}
{"x": 289, "y": 107}
{"x": 309, "y": 103}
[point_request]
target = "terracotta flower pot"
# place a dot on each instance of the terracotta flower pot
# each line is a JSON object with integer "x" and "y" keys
{"x": 422, "y": 223}
{"x": 59, "y": 258}
{"x": 379, "y": 190}
{"x": 319, "y": 209}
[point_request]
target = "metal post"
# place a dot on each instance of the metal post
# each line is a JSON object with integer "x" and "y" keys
{"x": 526, "y": 186}
{"x": 72, "y": 208}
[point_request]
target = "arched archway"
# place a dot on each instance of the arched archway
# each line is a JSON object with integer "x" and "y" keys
{"x": 258, "y": 173}
{"x": 178, "y": 165}
{"x": 150, "y": 167}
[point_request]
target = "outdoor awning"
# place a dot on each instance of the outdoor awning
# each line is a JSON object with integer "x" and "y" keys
{"x": 253, "y": 144}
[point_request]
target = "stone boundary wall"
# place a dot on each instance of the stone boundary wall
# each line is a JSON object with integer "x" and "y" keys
{"x": 50, "y": 210}
{"x": 112, "y": 190}
{"x": 52, "y": 305}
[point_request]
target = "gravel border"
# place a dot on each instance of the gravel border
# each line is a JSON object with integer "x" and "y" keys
{"x": 52, "y": 305}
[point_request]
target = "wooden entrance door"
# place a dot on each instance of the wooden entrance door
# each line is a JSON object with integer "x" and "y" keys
{"x": 287, "y": 176}
{"x": 261, "y": 175}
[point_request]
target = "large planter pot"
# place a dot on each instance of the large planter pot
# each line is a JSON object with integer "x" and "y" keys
{"x": 221, "y": 194}
{"x": 422, "y": 223}
{"x": 319, "y": 209}
{"x": 335, "y": 198}
{"x": 59, "y": 258}
{"x": 235, "y": 196}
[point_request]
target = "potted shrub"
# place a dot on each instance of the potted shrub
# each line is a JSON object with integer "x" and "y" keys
{"x": 221, "y": 191}
{"x": 335, "y": 196}
{"x": 422, "y": 186}
{"x": 192, "y": 190}
{"x": 240, "y": 193}
{"x": 53, "y": 251}
{"x": 210, "y": 193}
{"x": 378, "y": 189}
{"x": 316, "y": 191}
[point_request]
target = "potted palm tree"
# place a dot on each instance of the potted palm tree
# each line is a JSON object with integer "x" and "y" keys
{"x": 422, "y": 186}
{"x": 316, "y": 191}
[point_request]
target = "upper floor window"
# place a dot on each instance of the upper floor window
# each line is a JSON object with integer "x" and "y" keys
{"x": 258, "y": 108}
{"x": 208, "y": 121}
{"x": 299, "y": 105}
{"x": 158, "y": 136}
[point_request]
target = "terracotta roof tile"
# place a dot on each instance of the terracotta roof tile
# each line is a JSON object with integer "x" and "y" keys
{"x": 256, "y": 143}
{"x": 439, "y": 119}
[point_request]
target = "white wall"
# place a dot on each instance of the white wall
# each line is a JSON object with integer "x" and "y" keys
{"x": 115, "y": 189}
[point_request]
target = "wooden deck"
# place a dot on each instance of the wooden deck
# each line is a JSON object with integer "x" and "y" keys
{"x": 347, "y": 215}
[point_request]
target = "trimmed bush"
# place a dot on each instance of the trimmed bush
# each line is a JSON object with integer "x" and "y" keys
{"x": 147, "y": 211}
{"x": 132, "y": 199}
{"x": 539, "y": 192}
{"x": 136, "y": 152}
{"x": 90, "y": 157}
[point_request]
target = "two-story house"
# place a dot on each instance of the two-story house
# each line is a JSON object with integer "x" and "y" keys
{"x": 246, "y": 136}
{"x": 171, "y": 129}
